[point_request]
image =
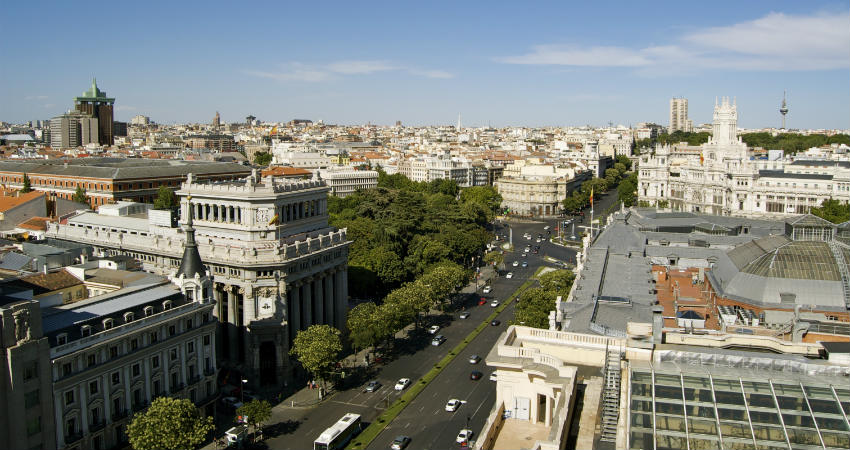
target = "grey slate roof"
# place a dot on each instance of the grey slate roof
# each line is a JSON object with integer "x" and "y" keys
{"x": 122, "y": 168}
{"x": 783, "y": 174}
{"x": 820, "y": 163}
{"x": 14, "y": 261}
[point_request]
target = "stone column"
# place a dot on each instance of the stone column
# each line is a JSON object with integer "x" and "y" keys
{"x": 329, "y": 298}
{"x": 340, "y": 281}
{"x": 308, "y": 303}
{"x": 295, "y": 319}
{"x": 320, "y": 300}
{"x": 232, "y": 330}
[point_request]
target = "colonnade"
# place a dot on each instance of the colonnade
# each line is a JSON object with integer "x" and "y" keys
{"x": 317, "y": 299}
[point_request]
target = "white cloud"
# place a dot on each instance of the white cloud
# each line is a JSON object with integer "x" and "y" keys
{"x": 775, "y": 42}
{"x": 295, "y": 71}
{"x": 125, "y": 108}
{"x": 35, "y": 97}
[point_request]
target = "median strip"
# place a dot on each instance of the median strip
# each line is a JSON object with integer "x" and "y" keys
{"x": 375, "y": 428}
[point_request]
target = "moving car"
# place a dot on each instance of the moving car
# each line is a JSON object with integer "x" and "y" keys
{"x": 402, "y": 383}
{"x": 400, "y": 442}
{"x": 373, "y": 386}
{"x": 475, "y": 375}
{"x": 482, "y": 301}
{"x": 452, "y": 405}
{"x": 546, "y": 227}
{"x": 464, "y": 436}
{"x": 516, "y": 263}
{"x": 434, "y": 329}
{"x": 464, "y": 315}
{"x": 527, "y": 249}
{"x": 494, "y": 303}
{"x": 438, "y": 339}
{"x": 525, "y": 264}
{"x": 509, "y": 275}
{"x": 495, "y": 323}
{"x": 474, "y": 359}
{"x": 486, "y": 289}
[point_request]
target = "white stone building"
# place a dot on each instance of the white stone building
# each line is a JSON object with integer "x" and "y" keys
{"x": 721, "y": 178}
{"x": 438, "y": 167}
{"x": 345, "y": 181}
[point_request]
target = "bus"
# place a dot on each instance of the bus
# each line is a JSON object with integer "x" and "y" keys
{"x": 338, "y": 435}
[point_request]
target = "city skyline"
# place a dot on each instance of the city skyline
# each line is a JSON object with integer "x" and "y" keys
{"x": 552, "y": 65}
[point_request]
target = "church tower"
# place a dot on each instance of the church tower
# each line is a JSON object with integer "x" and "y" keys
{"x": 192, "y": 276}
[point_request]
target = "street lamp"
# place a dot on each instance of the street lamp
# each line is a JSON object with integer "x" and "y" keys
{"x": 242, "y": 390}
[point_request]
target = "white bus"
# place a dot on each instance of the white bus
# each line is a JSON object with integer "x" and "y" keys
{"x": 338, "y": 435}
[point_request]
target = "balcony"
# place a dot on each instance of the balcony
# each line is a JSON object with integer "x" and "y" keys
{"x": 72, "y": 438}
{"x": 120, "y": 414}
{"x": 139, "y": 406}
{"x": 96, "y": 426}
{"x": 194, "y": 379}
{"x": 177, "y": 387}
{"x": 209, "y": 371}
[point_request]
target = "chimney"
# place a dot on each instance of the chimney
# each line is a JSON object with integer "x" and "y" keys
{"x": 657, "y": 324}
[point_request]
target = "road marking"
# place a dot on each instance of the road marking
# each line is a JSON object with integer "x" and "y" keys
{"x": 406, "y": 425}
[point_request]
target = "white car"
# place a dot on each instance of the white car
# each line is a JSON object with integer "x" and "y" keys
{"x": 464, "y": 315}
{"x": 452, "y": 405}
{"x": 546, "y": 228}
{"x": 402, "y": 383}
{"x": 434, "y": 329}
{"x": 509, "y": 275}
{"x": 486, "y": 289}
{"x": 474, "y": 359}
{"x": 516, "y": 263}
{"x": 527, "y": 249}
{"x": 494, "y": 303}
{"x": 464, "y": 436}
{"x": 493, "y": 376}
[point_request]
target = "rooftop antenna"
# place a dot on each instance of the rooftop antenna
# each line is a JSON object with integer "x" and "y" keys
{"x": 783, "y": 109}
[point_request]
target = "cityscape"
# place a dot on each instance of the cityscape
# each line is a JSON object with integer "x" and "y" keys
{"x": 393, "y": 226}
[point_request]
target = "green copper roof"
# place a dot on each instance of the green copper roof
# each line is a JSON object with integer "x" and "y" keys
{"x": 94, "y": 94}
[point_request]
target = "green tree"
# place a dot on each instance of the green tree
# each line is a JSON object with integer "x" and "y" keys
{"x": 627, "y": 190}
{"x": 557, "y": 281}
{"x": 257, "y": 411}
{"x": 625, "y": 161}
{"x": 165, "y": 199}
{"x": 262, "y": 158}
{"x": 486, "y": 196}
{"x": 361, "y": 323}
{"x": 494, "y": 258}
{"x": 317, "y": 349}
{"x": 169, "y": 423}
{"x": 833, "y": 210}
{"x": 80, "y": 196}
{"x": 26, "y": 184}
{"x": 534, "y": 307}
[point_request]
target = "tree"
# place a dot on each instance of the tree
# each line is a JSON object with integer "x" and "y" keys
{"x": 165, "y": 199}
{"x": 361, "y": 325}
{"x": 534, "y": 307}
{"x": 558, "y": 281}
{"x": 317, "y": 348}
{"x": 80, "y": 195}
{"x": 169, "y": 423}
{"x": 26, "y": 187}
{"x": 257, "y": 411}
{"x": 627, "y": 190}
{"x": 833, "y": 210}
{"x": 494, "y": 258}
{"x": 263, "y": 158}
{"x": 486, "y": 196}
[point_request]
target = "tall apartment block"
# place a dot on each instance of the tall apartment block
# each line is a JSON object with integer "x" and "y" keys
{"x": 679, "y": 116}
{"x": 95, "y": 103}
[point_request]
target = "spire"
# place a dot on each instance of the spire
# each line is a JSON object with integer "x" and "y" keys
{"x": 191, "y": 263}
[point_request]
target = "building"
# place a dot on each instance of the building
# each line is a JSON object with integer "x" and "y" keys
{"x": 278, "y": 266}
{"x": 441, "y": 166}
{"x": 73, "y": 129}
{"x": 679, "y": 116}
{"x": 17, "y": 208}
{"x": 110, "y": 180}
{"x": 538, "y": 195}
{"x": 96, "y": 104}
{"x": 217, "y": 142}
{"x": 345, "y": 181}
{"x": 720, "y": 177}
{"x": 216, "y": 122}
{"x": 140, "y": 120}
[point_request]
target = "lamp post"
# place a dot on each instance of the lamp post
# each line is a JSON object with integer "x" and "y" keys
{"x": 242, "y": 390}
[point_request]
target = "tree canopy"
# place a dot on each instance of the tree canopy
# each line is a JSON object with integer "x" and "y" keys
{"x": 169, "y": 423}
{"x": 263, "y": 158}
{"x": 536, "y": 303}
{"x": 26, "y": 184}
{"x": 80, "y": 195}
{"x": 832, "y": 210}
{"x": 165, "y": 199}
{"x": 257, "y": 411}
{"x": 317, "y": 348}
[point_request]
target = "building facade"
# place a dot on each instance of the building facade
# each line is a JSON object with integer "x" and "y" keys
{"x": 344, "y": 181}
{"x": 73, "y": 129}
{"x": 278, "y": 266}
{"x": 679, "y": 116}
{"x": 720, "y": 177}
{"x": 96, "y": 104}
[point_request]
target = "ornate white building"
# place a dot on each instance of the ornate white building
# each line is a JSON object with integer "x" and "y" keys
{"x": 720, "y": 177}
{"x": 277, "y": 266}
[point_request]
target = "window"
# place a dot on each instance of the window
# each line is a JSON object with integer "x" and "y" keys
{"x": 93, "y": 387}
{"x": 154, "y": 336}
{"x": 107, "y": 324}
{"x": 205, "y": 318}
{"x": 137, "y": 370}
{"x": 31, "y": 370}
{"x": 31, "y": 399}
{"x": 157, "y": 389}
{"x": 155, "y": 362}
{"x": 116, "y": 378}
{"x": 190, "y": 347}
{"x": 85, "y": 330}
{"x": 166, "y": 304}
{"x": 69, "y": 398}
{"x": 148, "y": 311}
{"x": 91, "y": 360}
{"x": 66, "y": 369}
{"x": 173, "y": 354}
{"x": 129, "y": 317}
{"x": 62, "y": 339}
{"x": 113, "y": 351}
{"x": 172, "y": 330}
{"x": 34, "y": 426}
{"x": 188, "y": 324}
{"x": 206, "y": 339}
{"x": 134, "y": 344}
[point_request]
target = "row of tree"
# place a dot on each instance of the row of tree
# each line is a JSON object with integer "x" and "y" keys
{"x": 789, "y": 142}
{"x": 832, "y": 210}
{"x": 580, "y": 198}
{"x": 402, "y": 228}
{"x": 534, "y": 305}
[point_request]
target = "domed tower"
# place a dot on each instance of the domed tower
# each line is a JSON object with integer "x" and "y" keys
{"x": 192, "y": 276}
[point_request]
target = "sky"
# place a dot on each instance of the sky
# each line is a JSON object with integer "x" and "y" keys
{"x": 496, "y": 63}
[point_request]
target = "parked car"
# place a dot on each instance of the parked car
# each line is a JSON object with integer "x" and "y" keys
{"x": 474, "y": 359}
{"x": 434, "y": 329}
{"x": 438, "y": 340}
{"x": 400, "y": 442}
{"x": 546, "y": 227}
{"x": 402, "y": 383}
{"x": 475, "y": 375}
{"x": 452, "y": 405}
{"x": 527, "y": 249}
{"x": 493, "y": 376}
{"x": 464, "y": 436}
{"x": 482, "y": 301}
{"x": 373, "y": 386}
{"x": 487, "y": 289}
{"x": 509, "y": 275}
{"x": 463, "y": 315}
{"x": 495, "y": 323}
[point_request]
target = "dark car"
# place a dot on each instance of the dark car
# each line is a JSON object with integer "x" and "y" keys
{"x": 495, "y": 323}
{"x": 475, "y": 375}
{"x": 373, "y": 386}
{"x": 400, "y": 442}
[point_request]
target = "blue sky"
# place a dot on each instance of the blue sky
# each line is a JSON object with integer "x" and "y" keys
{"x": 503, "y": 63}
